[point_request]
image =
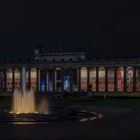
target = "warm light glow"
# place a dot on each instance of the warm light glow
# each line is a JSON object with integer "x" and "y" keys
{"x": 43, "y": 107}
{"x": 111, "y": 80}
{"x": 137, "y": 80}
{"x": 33, "y": 78}
{"x": 120, "y": 79}
{"x": 93, "y": 79}
{"x": 9, "y": 80}
{"x": 101, "y": 79}
{"x": 17, "y": 79}
{"x": 23, "y": 100}
{"x": 84, "y": 79}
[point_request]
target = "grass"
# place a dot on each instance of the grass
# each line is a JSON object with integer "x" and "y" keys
{"x": 112, "y": 102}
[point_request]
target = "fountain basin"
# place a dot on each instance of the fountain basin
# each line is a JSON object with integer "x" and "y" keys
{"x": 56, "y": 115}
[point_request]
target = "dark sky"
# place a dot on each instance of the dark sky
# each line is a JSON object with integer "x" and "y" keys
{"x": 103, "y": 28}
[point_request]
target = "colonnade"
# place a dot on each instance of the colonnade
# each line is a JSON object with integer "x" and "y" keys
{"x": 81, "y": 79}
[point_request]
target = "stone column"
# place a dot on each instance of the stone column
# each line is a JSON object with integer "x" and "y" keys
{"x": 39, "y": 82}
{"x": 134, "y": 79}
{"x": 79, "y": 79}
{"x": 37, "y": 79}
{"x": 5, "y": 80}
{"x": 13, "y": 79}
{"x": 53, "y": 78}
{"x": 48, "y": 79}
{"x": 29, "y": 78}
{"x": 71, "y": 80}
{"x": 97, "y": 80}
{"x": 88, "y": 78}
{"x": 46, "y": 89}
{"x": 125, "y": 81}
{"x": 23, "y": 80}
{"x": 106, "y": 80}
{"x": 62, "y": 79}
{"x": 20, "y": 69}
{"x": 115, "y": 81}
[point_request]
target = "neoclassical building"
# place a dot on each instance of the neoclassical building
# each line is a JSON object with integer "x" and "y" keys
{"x": 72, "y": 72}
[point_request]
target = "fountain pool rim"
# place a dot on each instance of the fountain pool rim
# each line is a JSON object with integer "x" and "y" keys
{"x": 62, "y": 115}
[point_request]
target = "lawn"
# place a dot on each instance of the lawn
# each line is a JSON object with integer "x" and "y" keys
{"x": 113, "y": 102}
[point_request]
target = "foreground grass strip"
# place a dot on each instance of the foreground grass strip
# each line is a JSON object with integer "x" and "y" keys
{"x": 134, "y": 103}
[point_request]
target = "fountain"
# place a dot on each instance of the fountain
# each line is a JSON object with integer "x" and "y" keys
{"x": 23, "y": 100}
{"x": 23, "y": 109}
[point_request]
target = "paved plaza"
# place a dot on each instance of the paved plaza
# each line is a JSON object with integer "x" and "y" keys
{"x": 116, "y": 124}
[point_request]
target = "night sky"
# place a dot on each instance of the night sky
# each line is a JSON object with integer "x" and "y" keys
{"x": 103, "y": 28}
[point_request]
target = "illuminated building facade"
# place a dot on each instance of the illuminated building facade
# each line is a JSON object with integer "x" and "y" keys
{"x": 72, "y": 72}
